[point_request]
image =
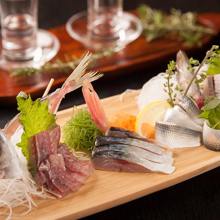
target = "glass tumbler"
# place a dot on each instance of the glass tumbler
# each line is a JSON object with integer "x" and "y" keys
{"x": 104, "y": 18}
{"x": 104, "y": 26}
{"x": 19, "y": 29}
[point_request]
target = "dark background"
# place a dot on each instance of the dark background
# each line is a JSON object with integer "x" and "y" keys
{"x": 198, "y": 198}
{"x": 56, "y": 12}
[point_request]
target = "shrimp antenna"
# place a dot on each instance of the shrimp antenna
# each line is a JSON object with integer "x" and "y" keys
{"x": 80, "y": 69}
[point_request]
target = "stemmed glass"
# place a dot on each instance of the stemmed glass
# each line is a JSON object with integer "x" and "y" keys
{"x": 104, "y": 25}
{"x": 23, "y": 44}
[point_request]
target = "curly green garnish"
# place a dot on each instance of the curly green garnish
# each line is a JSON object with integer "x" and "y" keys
{"x": 80, "y": 132}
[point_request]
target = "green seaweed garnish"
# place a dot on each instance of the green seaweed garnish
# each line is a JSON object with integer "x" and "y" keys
{"x": 80, "y": 132}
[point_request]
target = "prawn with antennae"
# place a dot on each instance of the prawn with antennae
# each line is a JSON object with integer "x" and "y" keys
{"x": 73, "y": 82}
{"x": 16, "y": 184}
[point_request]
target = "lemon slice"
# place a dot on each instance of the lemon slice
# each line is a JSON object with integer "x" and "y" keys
{"x": 148, "y": 116}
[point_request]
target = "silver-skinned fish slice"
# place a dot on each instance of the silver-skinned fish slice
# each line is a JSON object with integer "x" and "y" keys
{"x": 211, "y": 137}
{"x": 166, "y": 157}
{"x": 191, "y": 108}
{"x": 174, "y": 136}
{"x": 178, "y": 116}
{"x": 103, "y": 140}
{"x": 123, "y": 133}
{"x": 123, "y": 153}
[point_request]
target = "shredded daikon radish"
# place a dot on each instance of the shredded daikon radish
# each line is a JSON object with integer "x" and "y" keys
{"x": 18, "y": 192}
{"x": 17, "y": 187}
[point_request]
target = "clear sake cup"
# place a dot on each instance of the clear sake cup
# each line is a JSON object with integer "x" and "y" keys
{"x": 23, "y": 44}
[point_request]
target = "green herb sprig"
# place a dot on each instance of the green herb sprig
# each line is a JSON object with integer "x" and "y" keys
{"x": 206, "y": 60}
{"x": 212, "y": 58}
{"x": 61, "y": 66}
{"x": 169, "y": 86}
{"x": 158, "y": 24}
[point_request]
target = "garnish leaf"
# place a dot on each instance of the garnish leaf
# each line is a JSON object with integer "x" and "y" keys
{"x": 211, "y": 112}
{"x": 211, "y": 104}
{"x": 34, "y": 117}
{"x": 214, "y": 64}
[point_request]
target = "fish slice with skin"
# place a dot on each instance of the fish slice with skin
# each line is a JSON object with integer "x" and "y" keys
{"x": 151, "y": 147}
{"x": 148, "y": 155}
{"x": 123, "y": 154}
{"x": 123, "y": 150}
{"x": 178, "y": 116}
{"x": 173, "y": 136}
{"x": 191, "y": 108}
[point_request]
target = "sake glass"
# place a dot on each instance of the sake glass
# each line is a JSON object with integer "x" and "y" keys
{"x": 104, "y": 25}
{"x": 23, "y": 44}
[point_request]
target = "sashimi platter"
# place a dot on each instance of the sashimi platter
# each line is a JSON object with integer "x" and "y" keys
{"x": 74, "y": 163}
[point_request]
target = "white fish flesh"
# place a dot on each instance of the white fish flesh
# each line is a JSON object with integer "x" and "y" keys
{"x": 16, "y": 168}
{"x": 171, "y": 135}
{"x": 148, "y": 92}
{"x": 16, "y": 186}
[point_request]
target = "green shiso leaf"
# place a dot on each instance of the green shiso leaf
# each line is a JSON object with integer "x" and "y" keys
{"x": 35, "y": 118}
{"x": 80, "y": 132}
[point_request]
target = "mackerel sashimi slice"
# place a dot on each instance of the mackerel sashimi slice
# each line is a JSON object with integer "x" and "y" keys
{"x": 122, "y": 150}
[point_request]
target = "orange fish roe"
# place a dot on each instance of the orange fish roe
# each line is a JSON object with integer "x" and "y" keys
{"x": 148, "y": 130}
{"x": 125, "y": 121}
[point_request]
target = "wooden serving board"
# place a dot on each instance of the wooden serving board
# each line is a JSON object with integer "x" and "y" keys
{"x": 105, "y": 189}
{"x": 139, "y": 54}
